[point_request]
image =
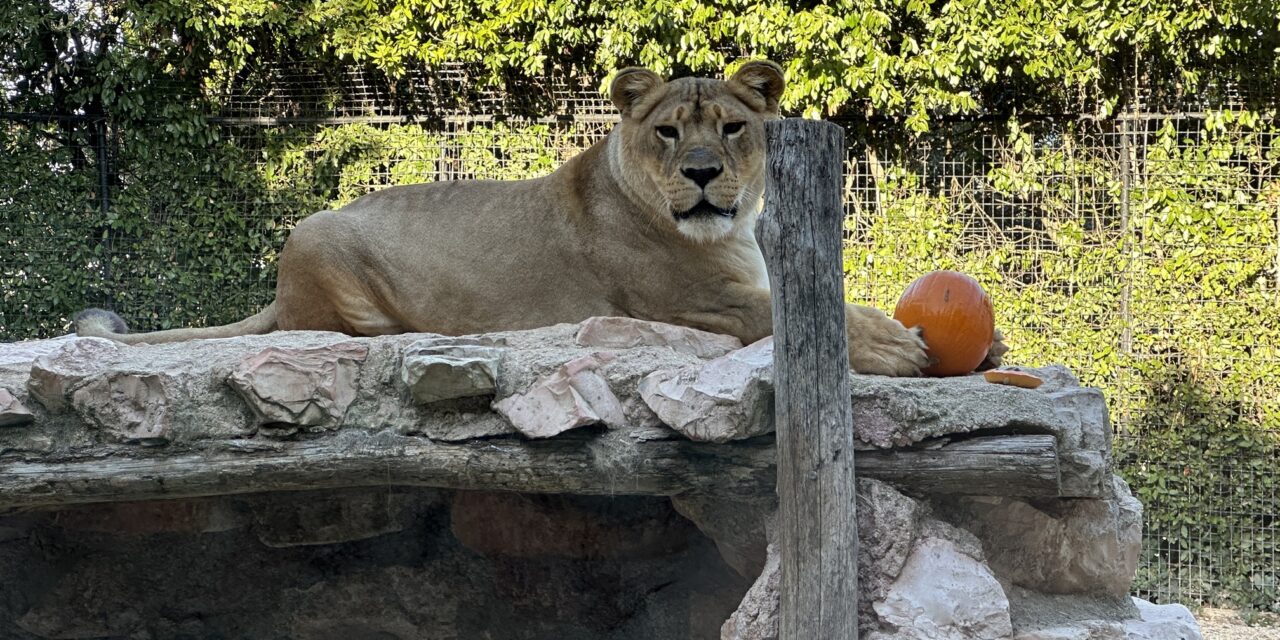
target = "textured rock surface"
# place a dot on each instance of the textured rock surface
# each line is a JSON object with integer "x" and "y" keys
{"x": 1161, "y": 622}
{"x": 756, "y": 617}
{"x": 18, "y": 356}
{"x": 944, "y": 594}
{"x": 1152, "y": 622}
{"x": 131, "y": 408}
{"x": 627, "y": 333}
{"x": 728, "y": 398}
{"x": 300, "y": 387}
{"x": 738, "y": 527}
{"x": 898, "y": 412}
{"x": 13, "y": 412}
{"x": 574, "y": 395}
{"x": 548, "y": 382}
{"x": 445, "y": 368}
{"x": 890, "y": 412}
{"x": 1031, "y": 609}
{"x": 1057, "y": 546}
{"x": 55, "y": 372}
{"x": 888, "y": 524}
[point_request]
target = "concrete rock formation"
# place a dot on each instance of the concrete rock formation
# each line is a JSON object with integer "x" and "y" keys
{"x": 610, "y": 480}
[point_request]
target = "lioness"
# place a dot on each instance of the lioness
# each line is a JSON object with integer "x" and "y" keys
{"x": 654, "y": 222}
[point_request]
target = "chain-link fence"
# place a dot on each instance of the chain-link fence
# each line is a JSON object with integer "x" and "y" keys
{"x": 1142, "y": 250}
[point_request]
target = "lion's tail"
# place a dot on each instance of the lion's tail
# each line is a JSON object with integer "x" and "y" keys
{"x": 105, "y": 324}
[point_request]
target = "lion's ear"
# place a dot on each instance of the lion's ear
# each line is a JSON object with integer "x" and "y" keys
{"x": 630, "y": 86}
{"x": 760, "y": 83}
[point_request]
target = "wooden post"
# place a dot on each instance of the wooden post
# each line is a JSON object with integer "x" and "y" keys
{"x": 799, "y": 234}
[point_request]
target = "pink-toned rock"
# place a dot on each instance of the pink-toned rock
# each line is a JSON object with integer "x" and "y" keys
{"x": 304, "y": 387}
{"x": 729, "y": 398}
{"x": 625, "y": 333}
{"x": 129, "y": 407}
{"x": 12, "y": 412}
{"x": 574, "y": 395}
{"x": 55, "y": 373}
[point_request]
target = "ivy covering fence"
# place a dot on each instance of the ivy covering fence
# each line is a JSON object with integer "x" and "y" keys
{"x": 1110, "y": 171}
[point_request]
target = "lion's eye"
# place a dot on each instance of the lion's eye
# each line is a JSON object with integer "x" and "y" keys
{"x": 670, "y": 133}
{"x": 731, "y": 128}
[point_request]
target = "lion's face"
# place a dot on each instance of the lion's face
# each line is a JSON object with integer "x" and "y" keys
{"x": 693, "y": 149}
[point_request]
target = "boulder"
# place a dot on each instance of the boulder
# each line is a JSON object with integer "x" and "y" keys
{"x": 499, "y": 413}
{"x": 725, "y": 399}
{"x": 436, "y": 369}
{"x": 572, "y": 396}
{"x": 1151, "y": 622}
{"x": 56, "y": 371}
{"x": 921, "y": 578}
{"x": 128, "y": 407}
{"x": 1161, "y": 622}
{"x": 288, "y": 388}
{"x": 943, "y": 593}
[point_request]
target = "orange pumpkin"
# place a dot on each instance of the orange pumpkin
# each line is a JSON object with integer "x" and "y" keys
{"x": 957, "y": 319}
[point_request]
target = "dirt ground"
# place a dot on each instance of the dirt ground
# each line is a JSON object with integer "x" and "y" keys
{"x": 1226, "y": 624}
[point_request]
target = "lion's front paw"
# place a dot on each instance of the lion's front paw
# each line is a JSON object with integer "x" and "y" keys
{"x": 880, "y": 345}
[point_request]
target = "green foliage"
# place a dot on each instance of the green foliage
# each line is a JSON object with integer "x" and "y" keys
{"x": 1169, "y": 301}
{"x": 906, "y": 58}
{"x": 48, "y": 265}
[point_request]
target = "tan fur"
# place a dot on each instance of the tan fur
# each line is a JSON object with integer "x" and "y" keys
{"x": 601, "y": 236}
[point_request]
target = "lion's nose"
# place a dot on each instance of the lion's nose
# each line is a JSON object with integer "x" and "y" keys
{"x": 701, "y": 166}
{"x": 701, "y": 175}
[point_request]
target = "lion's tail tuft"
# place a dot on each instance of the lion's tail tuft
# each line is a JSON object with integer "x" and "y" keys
{"x": 99, "y": 322}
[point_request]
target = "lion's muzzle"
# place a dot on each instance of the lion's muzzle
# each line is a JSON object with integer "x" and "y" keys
{"x": 704, "y": 208}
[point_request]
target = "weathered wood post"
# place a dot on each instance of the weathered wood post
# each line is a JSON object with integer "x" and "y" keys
{"x": 799, "y": 233}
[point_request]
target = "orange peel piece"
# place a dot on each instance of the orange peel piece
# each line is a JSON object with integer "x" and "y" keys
{"x": 1014, "y": 378}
